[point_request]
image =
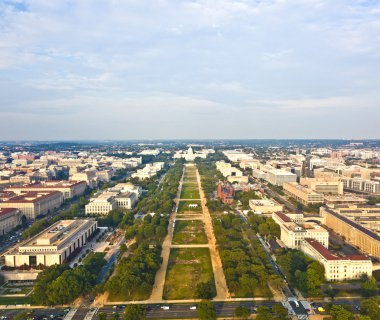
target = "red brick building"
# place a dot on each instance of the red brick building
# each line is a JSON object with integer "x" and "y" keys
{"x": 225, "y": 192}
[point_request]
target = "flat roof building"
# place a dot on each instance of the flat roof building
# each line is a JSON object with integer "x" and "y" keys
{"x": 10, "y": 218}
{"x": 123, "y": 195}
{"x": 337, "y": 268}
{"x": 33, "y": 203}
{"x": 302, "y": 193}
{"x": 69, "y": 189}
{"x": 55, "y": 245}
{"x": 265, "y": 206}
{"x": 293, "y": 233}
{"x": 278, "y": 177}
{"x": 332, "y": 186}
{"x": 354, "y": 233}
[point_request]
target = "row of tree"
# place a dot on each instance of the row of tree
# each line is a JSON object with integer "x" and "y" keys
{"x": 303, "y": 272}
{"x": 60, "y": 284}
{"x": 266, "y": 227}
{"x": 134, "y": 275}
{"x": 243, "y": 259}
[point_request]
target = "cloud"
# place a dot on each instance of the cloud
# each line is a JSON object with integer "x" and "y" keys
{"x": 206, "y": 61}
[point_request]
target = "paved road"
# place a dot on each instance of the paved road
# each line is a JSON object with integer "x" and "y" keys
{"x": 288, "y": 205}
{"x": 183, "y": 311}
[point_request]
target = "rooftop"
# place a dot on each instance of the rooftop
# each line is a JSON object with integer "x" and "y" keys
{"x": 330, "y": 256}
{"x": 32, "y": 196}
{"x": 5, "y": 211}
{"x": 55, "y": 237}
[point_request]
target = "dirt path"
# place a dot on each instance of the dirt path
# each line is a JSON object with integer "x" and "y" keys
{"x": 159, "y": 282}
{"x": 182, "y": 246}
{"x": 220, "y": 280}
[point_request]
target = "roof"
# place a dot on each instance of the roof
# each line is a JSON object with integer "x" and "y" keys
{"x": 353, "y": 224}
{"x": 5, "y": 211}
{"x": 33, "y": 196}
{"x": 326, "y": 253}
{"x": 283, "y": 216}
{"x": 57, "y": 185}
{"x": 321, "y": 249}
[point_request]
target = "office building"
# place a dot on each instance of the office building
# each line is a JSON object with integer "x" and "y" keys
{"x": 293, "y": 233}
{"x": 278, "y": 177}
{"x": 337, "y": 268}
{"x": 332, "y": 186}
{"x": 10, "y": 218}
{"x": 355, "y": 234}
{"x": 69, "y": 189}
{"x": 302, "y": 193}
{"x": 265, "y": 206}
{"x": 55, "y": 245}
{"x": 33, "y": 203}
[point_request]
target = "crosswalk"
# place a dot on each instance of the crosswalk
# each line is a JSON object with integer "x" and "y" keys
{"x": 70, "y": 314}
{"x": 91, "y": 314}
{"x": 302, "y": 316}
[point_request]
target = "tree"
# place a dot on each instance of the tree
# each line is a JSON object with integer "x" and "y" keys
{"x": 276, "y": 281}
{"x": 40, "y": 294}
{"x": 102, "y": 316}
{"x": 263, "y": 313}
{"x": 134, "y": 312}
{"x": 371, "y": 308}
{"x": 264, "y": 229}
{"x": 21, "y": 316}
{"x": 280, "y": 312}
{"x": 204, "y": 290}
{"x": 340, "y": 313}
{"x": 369, "y": 288}
{"x": 206, "y": 310}
{"x": 330, "y": 292}
{"x": 249, "y": 283}
{"x": 242, "y": 312}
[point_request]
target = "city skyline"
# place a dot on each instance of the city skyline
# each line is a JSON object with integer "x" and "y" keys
{"x": 189, "y": 70}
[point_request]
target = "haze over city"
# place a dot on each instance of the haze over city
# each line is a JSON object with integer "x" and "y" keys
{"x": 189, "y": 69}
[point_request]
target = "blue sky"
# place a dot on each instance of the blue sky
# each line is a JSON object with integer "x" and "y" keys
{"x": 127, "y": 69}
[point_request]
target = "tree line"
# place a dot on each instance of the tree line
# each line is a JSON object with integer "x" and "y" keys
{"x": 244, "y": 261}
{"x": 60, "y": 284}
{"x": 303, "y": 272}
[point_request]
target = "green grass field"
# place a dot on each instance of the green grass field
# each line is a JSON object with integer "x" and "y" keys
{"x": 183, "y": 207}
{"x": 189, "y": 232}
{"x": 14, "y": 300}
{"x": 187, "y": 268}
{"x": 190, "y": 191}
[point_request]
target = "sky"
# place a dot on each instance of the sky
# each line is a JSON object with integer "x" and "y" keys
{"x": 159, "y": 69}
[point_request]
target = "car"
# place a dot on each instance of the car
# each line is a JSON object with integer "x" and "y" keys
{"x": 321, "y": 309}
{"x": 165, "y": 307}
{"x": 193, "y": 308}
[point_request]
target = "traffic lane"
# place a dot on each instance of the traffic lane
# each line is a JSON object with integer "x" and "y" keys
{"x": 183, "y": 310}
{"x": 53, "y": 313}
{"x": 298, "y": 309}
{"x": 80, "y": 314}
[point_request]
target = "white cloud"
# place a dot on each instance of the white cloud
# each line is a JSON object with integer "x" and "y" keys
{"x": 191, "y": 57}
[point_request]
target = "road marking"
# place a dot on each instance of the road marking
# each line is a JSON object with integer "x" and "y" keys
{"x": 91, "y": 314}
{"x": 70, "y": 314}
